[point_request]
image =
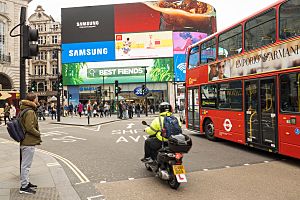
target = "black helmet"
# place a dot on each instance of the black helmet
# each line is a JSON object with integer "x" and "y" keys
{"x": 165, "y": 106}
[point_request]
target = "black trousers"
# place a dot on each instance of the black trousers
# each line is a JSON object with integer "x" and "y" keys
{"x": 152, "y": 145}
{"x": 6, "y": 117}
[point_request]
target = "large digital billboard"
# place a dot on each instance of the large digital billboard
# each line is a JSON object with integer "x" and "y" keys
{"x": 126, "y": 71}
{"x": 88, "y": 24}
{"x": 171, "y": 15}
{"x": 144, "y": 45}
{"x": 88, "y": 52}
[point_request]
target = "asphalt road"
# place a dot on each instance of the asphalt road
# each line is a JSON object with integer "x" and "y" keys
{"x": 111, "y": 153}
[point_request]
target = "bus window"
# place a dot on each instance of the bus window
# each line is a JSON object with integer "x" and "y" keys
{"x": 230, "y": 42}
{"x": 289, "y": 92}
{"x": 230, "y": 95}
{"x": 209, "y": 96}
{"x": 208, "y": 51}
{"x": 289, "y": 19}
{"x": 260, "y": 30}
{"x": 194, "y": 57}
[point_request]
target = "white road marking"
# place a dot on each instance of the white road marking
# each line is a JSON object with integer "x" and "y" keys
{"x": 130, "y": 179}
{"x": 75, "y": 170}
{"x": 102, "y": 181}
{"x": 130, "y": 125}
{"x": 92, "y": 129}
{"x": 94, "y": 197}
{"x": 68, "y": 139}
{"x": 53, "y": 164}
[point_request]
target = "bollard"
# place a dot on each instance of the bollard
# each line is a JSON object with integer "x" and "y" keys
{"x": 88, "y": 119}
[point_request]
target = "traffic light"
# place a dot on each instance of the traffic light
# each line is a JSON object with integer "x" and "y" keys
{"x": 33, "y": 86}
{"x": 105, "y": 93}
{"x": 28, "y": 35}
{"x": 60, "y": 82}
{"x": 116, "y": 86}
{"x": 70, "y": 96}
{"x": 143, "y": 89}
{"x": 99, "y": 91}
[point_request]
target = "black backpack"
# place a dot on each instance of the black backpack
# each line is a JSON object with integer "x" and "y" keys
{"x": 171, "y": 126}
{"x": 15, "y": 128}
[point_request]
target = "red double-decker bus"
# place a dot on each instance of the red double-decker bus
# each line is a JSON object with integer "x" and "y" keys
{"x": 243, "y": 83}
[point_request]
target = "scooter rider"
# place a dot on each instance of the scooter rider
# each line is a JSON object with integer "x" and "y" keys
{"x": 154, "y": 141}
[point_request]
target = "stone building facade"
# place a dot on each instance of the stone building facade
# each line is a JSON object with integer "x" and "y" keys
{"x": 10, "y": 46}
{"x": 44, "y": 68}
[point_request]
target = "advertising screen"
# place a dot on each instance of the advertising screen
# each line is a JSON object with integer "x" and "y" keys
{"x": 180, "y": 67}
{"x": 171, "y": 15}
{"x": 136, "y": 17}
{"x": 144, "y": 45}
{"x": 127, "y": 71}
{"x": 88, "y": 24}
{"x": 88, "y": 52}
{"x": 181, "y": 41}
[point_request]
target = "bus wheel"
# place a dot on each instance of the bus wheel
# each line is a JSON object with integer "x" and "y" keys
{"x": 209, "y": 129}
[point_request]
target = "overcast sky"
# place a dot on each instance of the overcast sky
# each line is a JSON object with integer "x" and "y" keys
{"x": 228, "y": 11}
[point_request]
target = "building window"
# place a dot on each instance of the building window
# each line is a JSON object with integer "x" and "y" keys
{"x": 42, "y": 55}
{"x": 40, "y": 27}
{"x": 2, "y": 40}
{"x": 54, "y": 39}
{"x": 41, "y": 87}
{"x": 55, "y": 27}
{"x": 40, "y": 70}
{"x": 3, "y": 7}
{"x": 54, "y": 69}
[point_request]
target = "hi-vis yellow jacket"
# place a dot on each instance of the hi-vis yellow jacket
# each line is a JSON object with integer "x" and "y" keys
{"x": 155, "y": 126}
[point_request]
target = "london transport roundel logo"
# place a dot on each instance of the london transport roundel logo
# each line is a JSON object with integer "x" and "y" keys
{"x": 227, "y": 125}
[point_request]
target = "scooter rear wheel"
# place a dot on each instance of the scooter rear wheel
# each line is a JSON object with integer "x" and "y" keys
{"x": 173, "y": 183}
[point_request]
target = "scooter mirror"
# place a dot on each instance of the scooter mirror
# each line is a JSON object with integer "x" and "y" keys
{"x": 144, "y": 123}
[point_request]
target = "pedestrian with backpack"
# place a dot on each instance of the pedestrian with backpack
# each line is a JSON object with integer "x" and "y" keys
{"x": 161, "y": 128}
{"x": 32, "y": 138}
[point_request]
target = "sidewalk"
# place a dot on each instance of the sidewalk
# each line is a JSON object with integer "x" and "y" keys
{"x": 45, "y": 172}
{"x": 83, "y": 120}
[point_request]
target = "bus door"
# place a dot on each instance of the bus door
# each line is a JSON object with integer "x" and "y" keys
{"x": 260, "y": 113}
{"x": 193, "y": 109}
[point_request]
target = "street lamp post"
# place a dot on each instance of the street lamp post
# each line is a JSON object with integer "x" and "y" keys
{"x": 146, "y": 101}
{"x": 175, "y": 107}
{"x": 103, "y": 89}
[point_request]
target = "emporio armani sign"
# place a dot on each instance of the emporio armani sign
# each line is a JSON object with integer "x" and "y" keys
{"x": 87, "y": 24}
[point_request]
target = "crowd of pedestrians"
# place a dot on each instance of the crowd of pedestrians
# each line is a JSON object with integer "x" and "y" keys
{"x": 125, "y": 110}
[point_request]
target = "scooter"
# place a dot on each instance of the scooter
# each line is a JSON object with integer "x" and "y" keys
{"x": 168, "y": 164}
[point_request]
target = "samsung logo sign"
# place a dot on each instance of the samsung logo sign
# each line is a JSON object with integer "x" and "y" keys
{"x": 88, "y": 24}
{"x": 88, "y": 52}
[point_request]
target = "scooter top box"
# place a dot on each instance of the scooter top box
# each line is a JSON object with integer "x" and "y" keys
{"x": 180, "y": 143}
